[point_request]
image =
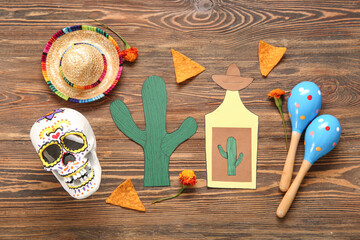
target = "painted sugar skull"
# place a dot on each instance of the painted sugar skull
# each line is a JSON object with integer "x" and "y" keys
{"x": 66, "y": 145}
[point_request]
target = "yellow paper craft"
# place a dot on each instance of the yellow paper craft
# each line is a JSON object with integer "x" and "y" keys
{"x": 269, "y": 57}
{"x": 126, "y": 196}
{"x": 231, "y": 137}
{"x": 185, "y": 68}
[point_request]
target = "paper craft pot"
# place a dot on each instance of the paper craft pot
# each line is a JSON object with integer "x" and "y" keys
{"x": 231, "y": 137}
{"x": 66, "y": 145}
{"x": 81, "y": 63}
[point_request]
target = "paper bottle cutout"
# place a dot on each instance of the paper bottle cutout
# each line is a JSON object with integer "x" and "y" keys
{"x": 235, "y": 127}
{"x": 126, "y": 196}
{"x": 158, "y": 145}
{"x": 185, "y": 68}
{"x": 269, "y": 57}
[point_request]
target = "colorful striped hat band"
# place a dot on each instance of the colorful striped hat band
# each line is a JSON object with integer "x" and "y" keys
{"x": 81, "y": 63}
{"x": 83, "y": 66}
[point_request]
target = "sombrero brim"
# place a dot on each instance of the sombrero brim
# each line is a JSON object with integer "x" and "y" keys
{"x": 58, "y": 44}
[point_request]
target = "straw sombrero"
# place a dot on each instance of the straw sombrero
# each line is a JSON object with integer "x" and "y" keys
{"x": 81, "y": 63}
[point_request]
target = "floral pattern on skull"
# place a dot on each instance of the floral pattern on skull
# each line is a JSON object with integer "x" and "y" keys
{"x": 66, "y": 145}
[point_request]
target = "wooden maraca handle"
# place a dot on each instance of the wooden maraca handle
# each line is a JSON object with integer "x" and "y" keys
{"x": 291, "y": 193}
{"x": 289, "y": 162}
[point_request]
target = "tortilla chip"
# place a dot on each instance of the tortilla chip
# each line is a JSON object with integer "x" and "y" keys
{"x": 269, "y": 56}
{"x": 126, "y": 196}
{"x": 185, "y": 68}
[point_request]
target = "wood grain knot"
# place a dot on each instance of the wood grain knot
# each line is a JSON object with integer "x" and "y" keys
{"x": 204, "y": 5}
{"x": 329, "y": 87}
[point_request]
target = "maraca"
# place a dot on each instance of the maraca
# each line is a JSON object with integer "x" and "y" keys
{"x": 304, "y": 104}
{"x": 321, "y": 137}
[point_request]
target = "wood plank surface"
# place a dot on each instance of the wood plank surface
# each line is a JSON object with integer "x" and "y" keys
{"x": 323, "y": 44}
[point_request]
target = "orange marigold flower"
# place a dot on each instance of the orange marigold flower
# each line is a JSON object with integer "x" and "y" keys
{"x": 276, "y": 93}
{"x": 130, "y": 54}
{"x": 187, "y": 177}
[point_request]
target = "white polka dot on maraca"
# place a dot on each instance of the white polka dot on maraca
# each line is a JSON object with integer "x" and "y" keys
{"x": 319, "y": 92}
{"x": 303, "y": 91}
{"x": 337, "y": 129}
{"x": 321, "y": 120}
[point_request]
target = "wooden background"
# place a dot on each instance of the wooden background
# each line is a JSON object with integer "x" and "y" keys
{"x": 323, "y": 44}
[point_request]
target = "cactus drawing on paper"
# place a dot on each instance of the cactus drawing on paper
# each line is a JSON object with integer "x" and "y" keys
{"x": 230, "y": 155}
{"x": 158, "y": 145}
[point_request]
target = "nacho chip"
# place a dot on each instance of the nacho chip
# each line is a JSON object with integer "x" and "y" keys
{"x": 126, "y": 196}
{"x": 269, "y": 56}
{"x": 185, "y": 68}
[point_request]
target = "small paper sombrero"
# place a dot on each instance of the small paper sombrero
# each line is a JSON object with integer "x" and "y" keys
{"x": 81, "y": 63}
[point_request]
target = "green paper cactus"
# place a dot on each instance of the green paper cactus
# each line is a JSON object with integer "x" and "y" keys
{"x": 158, "y": 145}
{"x": 230, "y": 155}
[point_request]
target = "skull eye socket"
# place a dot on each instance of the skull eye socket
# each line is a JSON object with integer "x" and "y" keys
{"x": 50, "y": 154}
{"x": 74, "y": 142}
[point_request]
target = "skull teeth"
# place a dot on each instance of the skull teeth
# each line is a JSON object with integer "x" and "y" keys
{"x": 79, "y": 178}
{"x": 79, "y": 182}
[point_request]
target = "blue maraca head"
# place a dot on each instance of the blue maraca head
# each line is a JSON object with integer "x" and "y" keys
{"x": 304, "y": 104}
{"x": 321, "y": 136}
